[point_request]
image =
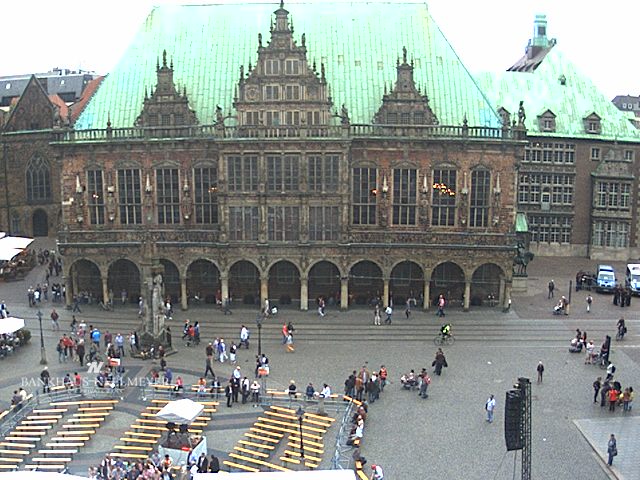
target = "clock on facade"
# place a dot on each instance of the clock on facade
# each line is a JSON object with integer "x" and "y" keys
{"x": 251, "y": 93}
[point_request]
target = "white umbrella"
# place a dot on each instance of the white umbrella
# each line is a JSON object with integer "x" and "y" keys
{"x": 180, "y": 411}
{"x": 15, "y": 242}
{"x": 9, "y": 253}
{"x": 10, "y": 325}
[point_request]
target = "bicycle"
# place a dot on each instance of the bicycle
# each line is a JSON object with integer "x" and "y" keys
{"x": 620, "y": 333}
{"x": 441, "y": 339}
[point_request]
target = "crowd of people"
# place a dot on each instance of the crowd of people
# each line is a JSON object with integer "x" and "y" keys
{"x": 154, "y": 468}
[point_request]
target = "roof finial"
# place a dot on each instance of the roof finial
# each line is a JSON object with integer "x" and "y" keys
{"x": 109, "y": 119}
{"x": 281, "y": 3}
{"x": 291, "y": 23}
{"x": 271, "y": 26}
{"x": 385, "y": 87}
{"x": 241, "y": 73}
{"x": 157, "y": 63}
{"x": 322, "y": 71}
{"x": 304, "y": 39}
{"x": 314, "y": 65}
{"x": 146, "y": 96}
{"x": 164, "y": 58}
{"x": 171, "y": 63}
{"x": 404, "y": 55}
{"x": 259, "y": 40}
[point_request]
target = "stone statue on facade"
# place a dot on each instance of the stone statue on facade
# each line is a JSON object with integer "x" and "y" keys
{"x": 521, "y": 114}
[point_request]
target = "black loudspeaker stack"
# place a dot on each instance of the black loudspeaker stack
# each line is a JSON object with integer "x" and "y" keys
{"x": 513, "y": 412}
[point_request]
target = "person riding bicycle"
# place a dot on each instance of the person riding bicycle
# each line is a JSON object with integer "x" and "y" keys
{"x": 622, "y": 329}
{"x": 445, "y": 330}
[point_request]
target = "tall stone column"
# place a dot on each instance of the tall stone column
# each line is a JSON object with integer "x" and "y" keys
{"x": 74, "y": 282}
{"x": 501, "y": 291}
{"x": 344, "y": 293}
{"x": 385, "y": 293}
{"x": 224, "y": 286}
{"x": 184, "y": 299}
{"x": 304, "y": 293}
{"x": 264, "y": 289}
{"x": 507, "y": 294}
{"x": 68, "y": 296}
{"x": 426, "y": 302}
{"x": 105, "y": 290}
{"x": 467, "y": 295}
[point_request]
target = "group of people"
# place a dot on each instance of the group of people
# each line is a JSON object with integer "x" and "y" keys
{"x": 363, "y": 383}
{"x": 612, "y": 393}
{"x": 154, "y": 468}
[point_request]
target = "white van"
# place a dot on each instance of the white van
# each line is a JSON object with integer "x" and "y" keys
{"x": 606, "y": 279}
{"x": 633, "y": 278}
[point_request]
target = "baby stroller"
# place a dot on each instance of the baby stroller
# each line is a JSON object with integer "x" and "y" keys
{"x": 558, "y": 310}
{"x": 575, "y": 346}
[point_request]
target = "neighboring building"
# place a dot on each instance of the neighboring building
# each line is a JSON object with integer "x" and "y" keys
{"x": 30, "y": 171}
{"x": 67, "y": 84}
{"x": 262, "y": 163}
{"x": 628, "y": 103}
{"x": 578, "y": 179}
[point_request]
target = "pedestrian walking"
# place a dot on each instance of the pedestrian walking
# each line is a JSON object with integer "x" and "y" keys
{"x": 208, "y": 368}
{"x": 597, "y": 385}
{"x": 376, "y": 472}
{"x": 441, "y": 303}
{"x": 589, "y": 301}
{"x": 55, "y": 325}
{"x": 540, "y": 370}
{"x": 552, "y": 287}
{"x": 490, "y": 406}
{"x": 228, "y": 392}
{"x": 389, "y": 312}
{"x": 612, "y": 449}
{"x": 376, "y": 315}
{"x": 407, "y": 309}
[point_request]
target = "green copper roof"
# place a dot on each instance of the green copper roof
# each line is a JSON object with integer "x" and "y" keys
{"x": 543, "y": 90}
{"x": 359, "y": 44}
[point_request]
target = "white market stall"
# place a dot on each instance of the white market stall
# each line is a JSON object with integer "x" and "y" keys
{"x": 10, "y": 325}
{"x": 301, "y": 475}
{"x": 179, "y": 444}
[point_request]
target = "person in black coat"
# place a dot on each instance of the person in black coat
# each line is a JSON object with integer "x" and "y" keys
{"x": 203, "y": 463}
{"x": 214, "y": 464}
{"x": 439, "y": 362}
{"x": 228, "y": 392}
{"x": 235, "y": 388}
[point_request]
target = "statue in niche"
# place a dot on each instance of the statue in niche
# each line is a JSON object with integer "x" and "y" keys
{"x": 521, "y": 114}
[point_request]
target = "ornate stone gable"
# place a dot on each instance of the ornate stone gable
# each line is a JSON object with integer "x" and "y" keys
{"x": 166, "y": 107}
{"x": 34, "y": 110}
{"x": 614, "y": 165}
{"x": 405, "y": 104}
{"x": 283, "y": 90}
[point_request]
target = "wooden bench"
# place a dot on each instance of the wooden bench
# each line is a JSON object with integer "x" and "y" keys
{"x": 65, "y": 444}
{"x": 75, "y": 433}
{"x": 44, "y": 417}
{"x": 262, "y": 438}
{"x": 104, "y": 409}
{"x": 293, "y": 430}
{"x": 257, "y": 461}
{"x": 292, "y": 425}
{"x": 251, "y": 452}
{"x": 201, "y": 402}
{"x": 11, "y": 460}
{"x": 296, "y": 439}
{"x": 45, "y": 467}
{"x": 138, "y": 440}
{"x": 149, "y": 427}
{"x": 51, "y": 459}
{"x": 139, "y": 456}
{"x": 361, "y": 475}
{"x": 134, "y": 448}
{"x": 320, "y": 418}
{"x": 239, "y": 466}
{"x": 290, "y": 460}
{"x": 142, "y": 434}
{"x": 82, "y": 403}
{"x": 316, "y": 450}
{"x": 292, "y": 453}
{"x": 14, "y": 452}
{"x": 49, "y": 410}
{"x": 34, "y": 428}
{"x": 58, "y": 451}
{"x": 81, "y": 425}
{"x": 164, "y": 422}
{"x": 294, "y": 420}
{"x": 18, "y": 445}
{"x": 90, "y": 415}
{"x": 38, "y": 422}
{"x": 85, "y": 420}
{"x": 271, "y": 433}
{"x": 252, "y": 444}
{"x": 7, "y": 466}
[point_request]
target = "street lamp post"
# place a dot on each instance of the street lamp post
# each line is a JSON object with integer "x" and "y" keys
{"x": 43, "y": 352}
{"x": 259, "y": 324}
{"x": 300, "y": 413}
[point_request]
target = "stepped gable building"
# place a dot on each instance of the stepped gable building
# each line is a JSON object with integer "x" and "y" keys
{"x": 31, "y": 172}
{"x": 578, "y": 178}
{"x": 256, "y": 161}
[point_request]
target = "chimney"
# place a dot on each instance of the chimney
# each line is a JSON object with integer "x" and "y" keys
{"x": 539, "y": 41}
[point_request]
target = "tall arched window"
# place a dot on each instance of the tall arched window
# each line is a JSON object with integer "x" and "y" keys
{"x": 38, "y": 180}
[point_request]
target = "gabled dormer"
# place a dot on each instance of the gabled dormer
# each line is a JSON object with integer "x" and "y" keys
{"x": 547, "y": 121}
{"x": 405, "y": 104}
{"x": 166, "y": 107}
{"x": 592, "y": 123}
{"x": 282, "y": 89}
{"x": 33, "y": 110}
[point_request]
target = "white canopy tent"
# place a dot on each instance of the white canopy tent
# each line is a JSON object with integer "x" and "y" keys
{"x": 301, "y": 475}
{"x": 9, "y": 253}
{"x": 180, "y": 411}
{"x": 15, "y": 242}
{"x": 10, "y": 325}
{"x": 33, "y": 475}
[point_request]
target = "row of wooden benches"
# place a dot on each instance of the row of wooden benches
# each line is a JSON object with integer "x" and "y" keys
{"x": 25, "y": 439}
{"x": 140, "y": 440}
{"x": 270, "y": 430}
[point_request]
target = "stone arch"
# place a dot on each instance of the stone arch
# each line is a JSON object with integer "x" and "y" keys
{"x": 284, "y": 282}
{"x": 324, "y": 281}
{"x": 365, "y": 283}
{"x": 171, "y": 280}
{"x": 124, "y": 275}
{"x": 485, "y": 285}
{"x": 244, "y": 282}
{"x": 203, "y": 280}
{"x": 406, "y": 281}
{"x": 447, "y": 279}
{"x": 40, "y": 223}
{"x": 86, "y": 279}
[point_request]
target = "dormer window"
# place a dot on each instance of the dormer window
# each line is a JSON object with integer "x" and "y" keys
{"x": 592, "y": 124}
{"x": 292, "y": 67}
{"x": 547, "y": 122}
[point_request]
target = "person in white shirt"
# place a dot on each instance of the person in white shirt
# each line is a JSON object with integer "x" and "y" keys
{"x": 326, "y": 391}
{"x": 376, "y": 473}
{"x": 244, "y": 337}
{"x": 490, "y": 407}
